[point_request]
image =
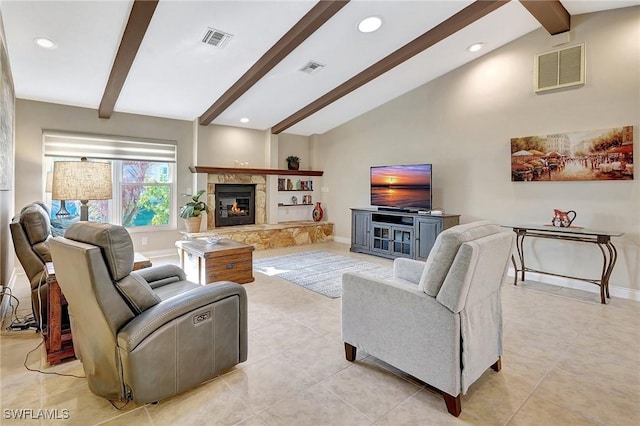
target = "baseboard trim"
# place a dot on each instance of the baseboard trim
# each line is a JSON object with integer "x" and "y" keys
{"x": 342, "y": 240}
{"x": 159, "y": 253}
{"x": 615, "y": 291}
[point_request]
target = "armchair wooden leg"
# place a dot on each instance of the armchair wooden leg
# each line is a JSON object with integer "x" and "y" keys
{"x": 497, "y": 366}
{"x": 453, "y": 404}
{"x": 350, "y": 352}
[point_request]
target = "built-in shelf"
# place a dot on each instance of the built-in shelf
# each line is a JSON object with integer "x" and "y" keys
{"x": 295, "y": 190}
{"x": 247, "y": 171}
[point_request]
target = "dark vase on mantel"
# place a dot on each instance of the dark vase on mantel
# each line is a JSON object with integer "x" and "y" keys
{"x": 317, "y": 213}
{"x": 293, "y": 165}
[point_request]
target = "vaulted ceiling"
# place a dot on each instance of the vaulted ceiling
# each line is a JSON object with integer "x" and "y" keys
{"x": 148, "y": 57}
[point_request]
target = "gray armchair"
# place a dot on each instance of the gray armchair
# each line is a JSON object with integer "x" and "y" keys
{"x": 31, "y": 232}
{"x": 149, "y": 334}
{"x": 439, "y": 321}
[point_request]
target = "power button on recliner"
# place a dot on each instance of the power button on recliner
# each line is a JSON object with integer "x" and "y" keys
{"x": 201, "y": 317}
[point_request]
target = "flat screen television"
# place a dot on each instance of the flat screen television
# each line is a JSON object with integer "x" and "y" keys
{"x": 405, "y": 187}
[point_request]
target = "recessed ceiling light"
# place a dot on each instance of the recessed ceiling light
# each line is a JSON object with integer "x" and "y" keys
{"x": 370, "y": 24}
{"x": 475, "y": 47}
{"x": 244, "y": 120}
{"x": 45, "y": 43}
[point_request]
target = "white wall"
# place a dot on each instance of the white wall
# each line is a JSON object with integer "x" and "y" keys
{"x": 463, "y": 121}
{"x": 7, "y": 258}
{"x": 33, "y": 117}
{"x": 294, "y": 145}
{"x": 222, "y": 146}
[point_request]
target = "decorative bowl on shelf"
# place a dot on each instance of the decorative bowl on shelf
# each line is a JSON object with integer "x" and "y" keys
{"x": 213, "y": 239}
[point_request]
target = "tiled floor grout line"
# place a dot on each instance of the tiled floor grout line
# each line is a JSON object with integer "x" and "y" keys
{"x": 256, "y": 413}
{"x": 149, "y": 416}
{"x": 551, "y": 368}
{"x": 568, "y": 352}
{"x": 576, "y": 413}
{"x": 399, "y": 403}
{"x": 121, "y": 414}
{"x": 344, "y": 400}
{"x": 229, "y": 389}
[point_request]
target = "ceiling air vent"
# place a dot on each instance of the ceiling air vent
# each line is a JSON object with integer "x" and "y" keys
{"x": 559, "y": 69}
{"x": 216, "y": 38}
{"x": 312, "y": 67}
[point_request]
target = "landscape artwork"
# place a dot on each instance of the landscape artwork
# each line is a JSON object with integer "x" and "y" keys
{"x": 7, "y": 100}
{"x": 605, "y": 154}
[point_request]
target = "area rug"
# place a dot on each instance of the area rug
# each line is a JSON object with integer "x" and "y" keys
{"x": 318, "y": 271}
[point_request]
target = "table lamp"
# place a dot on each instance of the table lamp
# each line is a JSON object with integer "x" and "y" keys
{"x": 81, "y": 180}
{"x": 62, "y": 212}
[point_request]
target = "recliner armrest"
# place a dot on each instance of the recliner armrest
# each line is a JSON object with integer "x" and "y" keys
{"x": 155, "y": 317}
{"x": 408, "y": 269}
{"x": 158, "y": 276}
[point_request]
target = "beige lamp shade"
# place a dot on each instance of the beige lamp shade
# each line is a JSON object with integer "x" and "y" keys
{"x": 81, "y": 180}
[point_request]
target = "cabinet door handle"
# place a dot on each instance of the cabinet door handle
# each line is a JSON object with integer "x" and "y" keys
{"x": 229, "y": 265}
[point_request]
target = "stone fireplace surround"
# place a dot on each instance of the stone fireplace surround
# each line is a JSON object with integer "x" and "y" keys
{"x": 261, "y": 235}
{"x": 260, "y": 182}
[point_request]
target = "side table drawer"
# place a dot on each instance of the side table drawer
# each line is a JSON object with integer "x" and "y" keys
{"x": 237, "y": 268}
{"x": 206, "y": 263}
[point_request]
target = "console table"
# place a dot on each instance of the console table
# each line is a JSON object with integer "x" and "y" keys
{"x": 57, "y": 340}
{"x": 601, "y": 238}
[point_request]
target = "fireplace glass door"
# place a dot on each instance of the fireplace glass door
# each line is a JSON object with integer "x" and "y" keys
{"x": 235, "y": 205}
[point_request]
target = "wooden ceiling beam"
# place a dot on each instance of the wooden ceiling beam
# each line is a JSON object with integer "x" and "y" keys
{"x": 139, "y": 19}
{"x": 465, "y": 17}
{"x": 550, "y": 13}
{"x": 306, "y": 26}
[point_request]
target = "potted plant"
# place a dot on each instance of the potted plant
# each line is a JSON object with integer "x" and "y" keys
{"x": 192, "y": 211}
{"x": 293, "y": 162}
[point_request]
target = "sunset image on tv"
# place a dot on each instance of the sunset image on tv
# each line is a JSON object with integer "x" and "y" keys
{"x": 401, "y": 186}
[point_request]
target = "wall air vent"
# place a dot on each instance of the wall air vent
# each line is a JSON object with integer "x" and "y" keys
{"x": 312, "y": 67}
{"x": 559, "y": 69}
{"x": 216, "y": 38}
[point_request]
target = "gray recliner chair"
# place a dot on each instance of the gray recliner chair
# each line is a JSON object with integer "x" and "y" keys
{"x": 31, "y": 232}
{"x": 440, "y": 321}
{"x": 144, "y": 335}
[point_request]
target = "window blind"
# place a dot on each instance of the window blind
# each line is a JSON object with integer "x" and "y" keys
{"x": 66, "y": 144}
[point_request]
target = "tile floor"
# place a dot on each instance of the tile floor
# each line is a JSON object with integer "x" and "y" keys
{"x": 568, "y": 360}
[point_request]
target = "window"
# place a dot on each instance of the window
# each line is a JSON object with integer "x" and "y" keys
{"x": 142, "y": 173}
{"x": 145, "y": 193}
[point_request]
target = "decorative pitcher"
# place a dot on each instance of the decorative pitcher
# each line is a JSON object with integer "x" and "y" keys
{"x": 562, "y": 219}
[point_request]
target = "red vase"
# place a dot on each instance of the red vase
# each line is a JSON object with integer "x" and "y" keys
{"x": 317, "y": 213}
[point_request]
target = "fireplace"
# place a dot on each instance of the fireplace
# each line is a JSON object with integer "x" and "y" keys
{"x": 235, "y": 204}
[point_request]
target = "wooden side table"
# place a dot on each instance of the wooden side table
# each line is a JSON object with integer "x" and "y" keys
{"x": 57, "y": 340}
{"x": 227, "y": 260}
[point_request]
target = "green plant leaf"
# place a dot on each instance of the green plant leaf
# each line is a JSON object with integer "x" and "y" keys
{"x": 194, "y": 207}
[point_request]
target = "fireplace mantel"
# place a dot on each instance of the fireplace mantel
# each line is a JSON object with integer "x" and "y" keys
{"x": 247, "y": 171}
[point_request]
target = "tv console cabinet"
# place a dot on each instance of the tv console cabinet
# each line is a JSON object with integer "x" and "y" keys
{"x": 394, "y": 234}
